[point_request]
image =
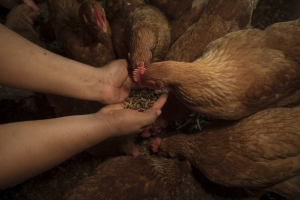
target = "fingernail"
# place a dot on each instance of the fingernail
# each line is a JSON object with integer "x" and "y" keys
{"x": 158, "y": 112}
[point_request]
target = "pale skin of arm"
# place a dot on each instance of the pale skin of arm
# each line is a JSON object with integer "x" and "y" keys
{"x": 32, "y": 147}
{"x": 25, "y": 65}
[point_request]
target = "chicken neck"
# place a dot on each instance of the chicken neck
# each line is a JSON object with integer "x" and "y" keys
{"x": 142, "y": 42}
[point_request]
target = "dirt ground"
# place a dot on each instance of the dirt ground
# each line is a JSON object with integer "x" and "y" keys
{"x": 18, "y": 105}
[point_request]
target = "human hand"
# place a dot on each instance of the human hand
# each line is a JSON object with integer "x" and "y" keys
{"x": 122, "y": 121}
{"x": 116, "y": 81}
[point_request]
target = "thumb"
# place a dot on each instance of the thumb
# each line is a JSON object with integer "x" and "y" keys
{"x": 152, "y": 113}
{"x": 160, "y": 102}
{"x": 149, "y": 117}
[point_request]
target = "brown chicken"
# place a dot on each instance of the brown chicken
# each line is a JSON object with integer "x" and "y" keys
{"x": 83, "y": 31}
{"x": 239, "y": 74}
{"x": 20, "y": 20}
{"x": 218, "y": 19}
{"x": 221, "y": 15}
{"x": 126, "y": 177}
{"x": 181, "y": 14}
{"x": 116, "y": 7}
{"x": 261, "y": 151}
{"x": 141, "y": 34}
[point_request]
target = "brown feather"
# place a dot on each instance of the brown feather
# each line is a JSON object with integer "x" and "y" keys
{"x": 218, "y": 18}
{"x": 141, "y": 33}
{"x": 215, "y": 22}
{"x": 126, "y": 177}
{"x": 256, "y": 152}
{"x": 181, "y": 14}
{"x": 75, "y": 26}
{"x": 238, "y": 74}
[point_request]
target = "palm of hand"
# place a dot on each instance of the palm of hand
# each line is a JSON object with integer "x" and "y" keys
{"x": 123, "y": 121}
{"x": 116, "y": 81}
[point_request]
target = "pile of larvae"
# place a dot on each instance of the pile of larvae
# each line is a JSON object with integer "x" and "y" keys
{"x": 141, "y": 100}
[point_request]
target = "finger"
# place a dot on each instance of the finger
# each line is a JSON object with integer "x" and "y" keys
{"x": 160, "y": 102}
{"x": 145, "y": 119}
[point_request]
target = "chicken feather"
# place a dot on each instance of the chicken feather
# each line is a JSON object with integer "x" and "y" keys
{"x": 181, "y": 14}
{"x": 217, "y": 19}
{"x": 127, "y": 177}
{"x": 141, "y": 33}
{"x": 262, "y": 150}
{"x": 238, "y": 75}
{"x": 83, "y": 31}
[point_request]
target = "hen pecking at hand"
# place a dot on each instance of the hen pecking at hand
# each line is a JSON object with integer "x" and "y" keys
{"x": 217, "y": 19}
{"x": 261, "y": 151}
{"x": 238, "y": 74}
{"x": 141, "y": 33}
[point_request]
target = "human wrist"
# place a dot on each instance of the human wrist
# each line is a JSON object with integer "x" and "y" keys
{"x": 102, "y": 128}
{"x": 97, "y": 86}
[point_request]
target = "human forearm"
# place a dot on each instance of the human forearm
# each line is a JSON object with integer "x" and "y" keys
{"x": 30, "y": 148}
{"x": 27, "y": 66}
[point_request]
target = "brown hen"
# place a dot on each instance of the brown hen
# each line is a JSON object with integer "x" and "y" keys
{"x": 261, "y": 151}
{"x": 216, "y": 20}
{"x": 181, "y": 14}
{"x": 141, "y": 34}
{"x": 116, "y": 7}
{"x": 239, "y": 74}
{"x": 83, "y": 31}
{"x": 126, "y": 177}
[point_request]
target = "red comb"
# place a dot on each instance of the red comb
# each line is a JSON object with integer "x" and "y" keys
{"x": 138, "y": 72}
{"x": 100, "y": 21}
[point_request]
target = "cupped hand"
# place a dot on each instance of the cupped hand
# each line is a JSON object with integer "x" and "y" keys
{"x": 121, "y": 121}
{"x": 116, "y": 81}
